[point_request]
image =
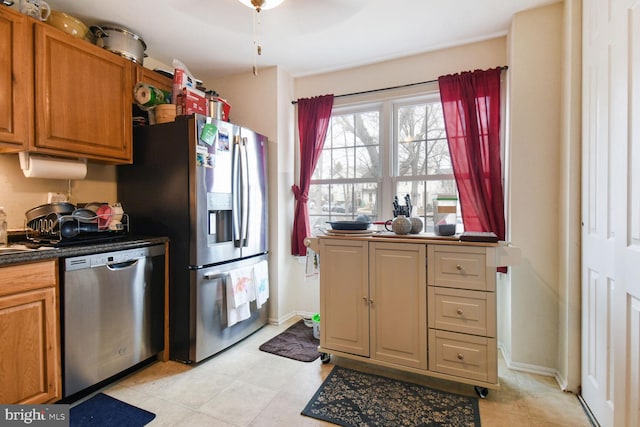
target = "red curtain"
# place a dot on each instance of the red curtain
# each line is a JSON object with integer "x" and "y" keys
{"x": 313, "y": 121}
{"x": 471, "y": 106}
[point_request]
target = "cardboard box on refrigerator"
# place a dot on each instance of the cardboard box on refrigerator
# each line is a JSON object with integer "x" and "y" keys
{"x": 192, "y": 101}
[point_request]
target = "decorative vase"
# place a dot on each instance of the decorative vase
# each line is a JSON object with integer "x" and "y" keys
{"x": 416, "y": 225}
{"x": 401, "y": 225}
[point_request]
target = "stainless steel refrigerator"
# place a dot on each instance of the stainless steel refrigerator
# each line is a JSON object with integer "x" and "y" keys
{"x": 203, "y": 183}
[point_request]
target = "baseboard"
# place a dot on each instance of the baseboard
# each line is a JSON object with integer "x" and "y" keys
{"x": 532, "y": 369}
{"x": 283, "y": 319}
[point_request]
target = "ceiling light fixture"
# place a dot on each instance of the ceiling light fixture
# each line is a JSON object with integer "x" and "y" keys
{"x": 258, "y": 5}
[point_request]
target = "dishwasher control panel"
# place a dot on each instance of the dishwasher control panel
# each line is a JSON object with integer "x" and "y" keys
{"x": 108, "y": 258}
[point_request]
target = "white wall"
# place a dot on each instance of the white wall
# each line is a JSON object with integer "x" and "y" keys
{"x": 263, "y": 103}
{"x": 269, "y": 111}
{"x": 412, "y": 69}
{"x": 19, "y": 194}
{"x": 535, "y": 72}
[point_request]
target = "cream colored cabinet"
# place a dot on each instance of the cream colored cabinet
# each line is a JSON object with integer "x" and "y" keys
{"x": 29, "y": 334}
{"x": 344, "y": 296}
{"x": 423, "y": 307}
{"x": 462, "y": 314}
{"x": 16, "y": 82}
{"x": 373, "y": 301}
{"x": 398, "y": 303}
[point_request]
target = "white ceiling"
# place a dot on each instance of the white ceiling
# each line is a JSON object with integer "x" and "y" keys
{"x": 214, "y": 38}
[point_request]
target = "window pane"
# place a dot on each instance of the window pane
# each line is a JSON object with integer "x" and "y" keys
{"x": 367, "y": 128}
{"x": 422, "y": 194}
{"x": 411, "y": 158}
{"x": 365, "y": 198}
{"x": 421, "y": 141}
{"x": 411, "y": 123}
{"x": 438, "y": 158}
{"x": 435, "y": 124}
{"x": 367, "y": 162}
{"x": 323, "y": 168}
{"x": 340, "y": 202}
{"x": 342, "y": 163}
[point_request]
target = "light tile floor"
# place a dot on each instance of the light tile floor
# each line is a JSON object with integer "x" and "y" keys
{"x": 244, "y": 386}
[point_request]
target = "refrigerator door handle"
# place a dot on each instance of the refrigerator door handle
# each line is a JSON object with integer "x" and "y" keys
{"x": 244, "y": 167}
{"x": 215, "y": 276}
{"x": 235, "y": 189}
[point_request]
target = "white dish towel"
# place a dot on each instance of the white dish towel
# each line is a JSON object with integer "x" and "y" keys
{"x": 261, "y": 282}
{"x": 240, "y": 292}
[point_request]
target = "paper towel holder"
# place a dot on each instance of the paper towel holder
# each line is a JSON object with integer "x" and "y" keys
{"x": 25, "y": 158}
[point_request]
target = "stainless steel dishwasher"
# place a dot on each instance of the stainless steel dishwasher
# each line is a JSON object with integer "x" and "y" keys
{"x": 113, "y": 313}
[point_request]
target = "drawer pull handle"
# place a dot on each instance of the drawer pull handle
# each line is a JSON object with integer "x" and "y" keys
{"x": 460, "y": 356}
{"x": 459, "y": 311}
{"x": 459, "y": 267}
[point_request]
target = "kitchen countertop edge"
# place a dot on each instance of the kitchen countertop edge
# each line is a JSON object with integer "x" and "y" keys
{"x": 441, "y": 240}
{"x": 86, "y": 249}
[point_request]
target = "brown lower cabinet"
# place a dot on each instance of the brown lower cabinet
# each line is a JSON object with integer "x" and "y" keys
{"x": 29, "y": 334}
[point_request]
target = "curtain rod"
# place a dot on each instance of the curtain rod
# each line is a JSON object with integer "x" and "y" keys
{"x": 503, "y": 68}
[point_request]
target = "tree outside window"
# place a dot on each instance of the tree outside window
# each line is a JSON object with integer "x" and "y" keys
{"x": 356, "y": 170}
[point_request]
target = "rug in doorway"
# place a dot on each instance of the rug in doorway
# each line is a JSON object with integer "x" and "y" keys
{"x": 102, "y": 410}
{"x": 350, "y": 398}
{"x": 297, "y": 342}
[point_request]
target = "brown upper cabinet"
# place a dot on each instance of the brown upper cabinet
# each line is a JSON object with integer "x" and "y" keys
{"x": 153, "y": 78}
{"x": 78, "y": 95}
{"x": 16, "y": 82}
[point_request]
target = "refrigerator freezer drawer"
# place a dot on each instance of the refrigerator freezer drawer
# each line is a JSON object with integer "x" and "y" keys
{"x": 212, "y": 330}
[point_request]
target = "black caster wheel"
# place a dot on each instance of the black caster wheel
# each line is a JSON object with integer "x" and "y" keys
{"x": 482, "y": 391}
{"x": 325, "y": 358}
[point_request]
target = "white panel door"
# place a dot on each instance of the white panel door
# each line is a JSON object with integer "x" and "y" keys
{"x": 626, "y": 138}
{"x": 597, "y": 219}
{"x": 611, "y": 211}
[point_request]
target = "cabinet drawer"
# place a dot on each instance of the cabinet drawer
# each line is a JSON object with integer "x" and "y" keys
{"x": 464, "y": 268}
{"x": 28, "y": 276}
{"x": 462, "y": 355}
{"x": 457, "y": 310}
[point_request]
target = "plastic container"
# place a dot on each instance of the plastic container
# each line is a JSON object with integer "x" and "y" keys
{"x": 445, "y": 214}
{"x": 4, "y": 238}
{"x": 316, "y": 325}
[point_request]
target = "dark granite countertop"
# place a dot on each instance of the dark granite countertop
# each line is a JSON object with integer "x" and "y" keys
{"x": 45, "y": 253}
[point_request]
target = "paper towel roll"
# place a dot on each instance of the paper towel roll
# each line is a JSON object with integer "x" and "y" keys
{"x": 52, "y": 168}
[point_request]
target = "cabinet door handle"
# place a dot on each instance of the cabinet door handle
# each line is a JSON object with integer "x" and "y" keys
{"x": 365, "y": 299}
{"x": 459, "y": 267}
{"x": 460, "y": 356}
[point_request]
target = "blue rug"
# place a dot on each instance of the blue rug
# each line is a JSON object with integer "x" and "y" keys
{"x": 105, "y": 411}
{"x": 355, "y": 399}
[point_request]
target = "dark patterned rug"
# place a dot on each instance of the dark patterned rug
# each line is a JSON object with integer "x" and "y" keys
{"x": 297, "y": 343}
{"x": 355, "y": 399}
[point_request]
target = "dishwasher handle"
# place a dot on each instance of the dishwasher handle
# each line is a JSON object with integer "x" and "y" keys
{"x": 122, "y": 265}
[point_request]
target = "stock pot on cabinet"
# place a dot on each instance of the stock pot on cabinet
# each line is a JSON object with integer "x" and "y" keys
{"x": 121, "y": 41}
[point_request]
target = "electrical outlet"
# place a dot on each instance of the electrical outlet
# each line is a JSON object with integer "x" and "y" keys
{"x": 56, "y": 197}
